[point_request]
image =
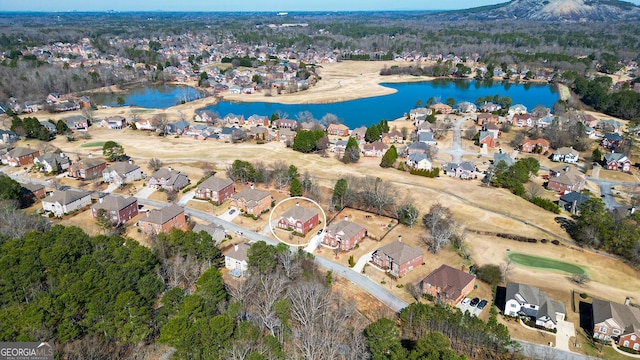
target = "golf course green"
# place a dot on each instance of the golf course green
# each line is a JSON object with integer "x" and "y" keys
{"x": 545, "y": 263}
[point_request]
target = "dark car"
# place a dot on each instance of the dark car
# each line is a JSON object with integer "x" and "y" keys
{"x": 482, "y": 304}
{"x": 232, "y": 211}
{"x": 474, "y": 301}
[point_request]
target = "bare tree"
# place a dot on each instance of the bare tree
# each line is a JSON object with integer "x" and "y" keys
{"x": 160, "y": 121}
{"x": 329, "y": 119}
{"x": 155, "y": 164}
{"x": 432, "y": 151}
{"x": 441, "y": 225}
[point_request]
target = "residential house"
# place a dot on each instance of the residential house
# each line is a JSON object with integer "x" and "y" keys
{"x": 121, "y": 173}
{"x": 51, "y": 127}
{"x": 466, "y": 107}
{"x": 77, "y": 122}
{"x": 589, "y": 120}
{"x": 257, "y": 120}
{"x": 419, "y": 161}
{"x": 216, "y": 232}
{"x": 252, "y": 201}
{"x": 33, "y": 191}
{"x": 571, "y": 201}
{"x": 375, "y": 149}
{"x": 417, "y": 147}
{"x": 65, "y": 201}
{"x": 344, "y": 235}
{"x": 52, "y": 162}
{"x": 233, "y": 119}
{"x": 539, "y": 145}
{"x": 612, "y": 141}
{"x": 117, "y": 208}
{"x": 617, "y": 322}
{"x": 448, "y": 285}
{"x": 565, "y": 179}
{"x": 611, "y": 125}
{"x": 115, "y": 122}
{"x": 206, "y": 116}
{"x": 545, "y": 121}
{"x": 260, "y": 133}
{"x": 8, "y": 137}
{"x": 394, "y": 136}
{"x": 87, "y": 169}
{"x": 216, "y": 189}
{"x": 424, "y": 127}
{"x": 419, "y": 115}
{"x": 299, "y": 219}
{"x": 427, "y": 138}
{"x": 285, "y": 124}
{"x": 488, "y": 107}
{"x": 441, "y": 108}
{"x": 492, "y": 128}
{"x": 521, "y": 120}
{"x": 340, "y": 146}
{"x": 485, "y": 118}
{"x": 359, "y": 133}
{"x": 517, "y": 109}
{"x": 528, "y": 301}
{"x": 20, "y": 156}
{"x": 163, "y": 220}
{"x": 500, "y": 156}
{"x": 338, "y": 130}
{"x": 486, "y": 139}
{"x": 465, "y": 170}
{"x": 566, "y": 154}
{"x": 236, "y": 259}
{"x": 286, "y": 135}
{"x": 397, "y": 258}
{"x": 168, "y": 179}
{"x": 146, "y": 125}
{"x": 617, "y": 161}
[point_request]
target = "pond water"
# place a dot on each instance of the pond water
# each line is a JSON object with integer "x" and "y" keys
{"x": 368, "y": 111}
{"x": 151, "y": 96}
{"x": 353, "y": 113}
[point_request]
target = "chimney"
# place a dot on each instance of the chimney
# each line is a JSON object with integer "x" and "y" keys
{"x": 627, "y": 301}
{"x": 346, "y": 218}
{"x": 400, "y": 238}
{"x": 297, "y": 203}
{"x": 130, "y": 162}
{"x": 251, "y": 186}
{"x": 235, "y": 247}
{"x": 169, "y": 168}
{"x": 62, "y": 154}
{"x": 101, "y": 200}
{"x": 90, "y": 155}
{"x": 632, "y": 210}
{"x": 566, "y": 168}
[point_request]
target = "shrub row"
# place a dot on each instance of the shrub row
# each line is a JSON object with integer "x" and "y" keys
{"x": 545, "y": 204}
{"x": 433, "y": 173}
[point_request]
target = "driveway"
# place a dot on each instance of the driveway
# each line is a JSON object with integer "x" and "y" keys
{"x": 473, "y": 310}
{"x": 314, "y": 243}
{"x": 565, "y": 330}
{"x": 111, "y": 188}
{"x": 185, "y": 199}
{"x": 145, "y": 192}
{"x": 364, "y": 259}
{"x": 229, "y": 217}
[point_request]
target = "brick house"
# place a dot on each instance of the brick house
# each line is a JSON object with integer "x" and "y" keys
{"x": 299, "y": 219}
{"x": 617, "y": 161}
{"x": 251, "y": 201}
{"x": 617, "y": 322}
{"x": 87, "y": 169}
{"x": 397, "y": 258}
{"x": 285, "y": 124}
{"x": 612, "y": 141}
{"x": 529, "y": 146}
{"x": 215, "y": 189}
{"x": 65, "y": 201}
{"x": 33, "y": 191}
{"x": 565, "y": 179}
{"x": 163, "y": 220}
{"x": 448, "y": 285}
{"x": 122, "y": 173}
{"x": 168, "y": 179}
{"x": 20, "y": 156}
{"x": 118, "y": 208}
{"x": 487, "y": 118}
{"x": 344, "y": 235}
{"x": 486, "y": 139}
{"x": 375, "y": 149}
{"x": 338, "y": 130}
{"x": 441, "y": 108}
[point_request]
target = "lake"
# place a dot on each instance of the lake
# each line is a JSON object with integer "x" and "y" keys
{"x": 353, "y": 113}
{"x": 368, "y": 111}
{"x": 151, "y": 96}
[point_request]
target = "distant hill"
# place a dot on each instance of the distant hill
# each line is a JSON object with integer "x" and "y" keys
{"x": 551, "y": 10}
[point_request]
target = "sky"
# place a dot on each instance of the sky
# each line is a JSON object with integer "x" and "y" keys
{"x": 242, "y": 5}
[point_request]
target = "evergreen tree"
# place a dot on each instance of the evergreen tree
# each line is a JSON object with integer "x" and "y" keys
{"x": 351, "y": 152}
{"x": 390, "y": 157}
{"x": 295, "y": 189}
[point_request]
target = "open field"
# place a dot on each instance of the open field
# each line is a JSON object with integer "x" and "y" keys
{"x": 545, "y": 263}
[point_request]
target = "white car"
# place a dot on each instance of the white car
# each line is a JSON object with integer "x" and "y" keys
{"x": 466, "y": 301}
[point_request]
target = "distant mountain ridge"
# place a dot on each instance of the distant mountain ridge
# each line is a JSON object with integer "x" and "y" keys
{"x": 552, "y": 10}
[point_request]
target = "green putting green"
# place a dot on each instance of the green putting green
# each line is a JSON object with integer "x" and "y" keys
{"x": 94, "y": 144}
{"x": 545, "y": 263}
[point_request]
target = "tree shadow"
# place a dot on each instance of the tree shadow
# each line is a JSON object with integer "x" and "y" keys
{"x": 567, "y": 224}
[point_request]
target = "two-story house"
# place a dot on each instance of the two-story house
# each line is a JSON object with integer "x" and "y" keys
{"x": 236, "y": 259}
{"x": 565, "y": 154}
{"x": 252, "y": 201}
{"x": 20, "y": 156}
{"x": 397, "y": 258}
{"x": 299, "y": 219}
{"x": 617, "y": 322}
{"x": 344, "y": 235}
{"x": 117, "y": 208}
{"x": 163, "y": 220}
{"x": 565, "y": 179}
{"x": 168, "y": 179}
{"x": 52, "y": 162}
{"x": 528, "y": 301}
{"x": 65, "y": 201}
{"x": 448, "y": 285}
{"x": 87, "y": 169}
{"x": 122, "y": 172}
{"x": 216, "y": 189}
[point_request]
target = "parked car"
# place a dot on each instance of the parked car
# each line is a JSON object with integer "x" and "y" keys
{"x": 482, "y": 304}
{"x": 474, "y": 302}
{"x": 320, "y": 232}
{"x": 232, "y": 211}
{"x": 466, "y": 301}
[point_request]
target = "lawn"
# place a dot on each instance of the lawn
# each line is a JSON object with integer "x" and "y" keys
{"x": 545, "y": 263}
{"x": 93, "y": 144}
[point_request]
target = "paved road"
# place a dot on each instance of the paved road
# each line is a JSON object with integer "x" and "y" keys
{"x": 456, "y": 151}
{"x": 605, "y": 189}
{"x": 185, "y": 199}
{"x": 543, "y": 352}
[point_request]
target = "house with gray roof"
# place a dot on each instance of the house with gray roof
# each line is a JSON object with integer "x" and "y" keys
{"x": 163, "y": 220}
{"x": 20, "y": 156}
{"x": 77, "y": 122}
{"x": 122, "y": 172}
{"x": 52, "y": 162}
{"x": 566, "y": 154}
{"x": 427, "y": 138}
{"x": 464, "y": 170}
{"x": 528, "y": 301}
{"x": 572, "y": 201}
{"x": 299, "y": 219}
{"x": 397, "y": 258}
{"x": 617, "y": 161}
{"x": 63, "y": 202}
{"x": 618, "y": 322}
{"x": 217, "y": 232}
{"x": 168, "y": 179}
{"x": 117, "y": 208}
{"x": 236, "y": 259}
{"x": 419, "y": 161}
{"x": 344, "y": 235}
{"x": 500, "y": 156}
{"x": 216, "y": 189}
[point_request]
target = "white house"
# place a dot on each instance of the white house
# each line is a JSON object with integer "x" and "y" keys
{"x": 122, "y": 173}
{"x": 52, "y": 162}
{"x": 236, "y": 259}
{"x": 517, "y": 109}
{"x": 419, "y": 161}
{"x": 566, "y": 154}
{"x": 529, "y": 302}
{"x": 65, "y": 201}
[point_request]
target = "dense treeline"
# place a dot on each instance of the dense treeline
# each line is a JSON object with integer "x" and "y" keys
{"x": 623, "y": 103}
